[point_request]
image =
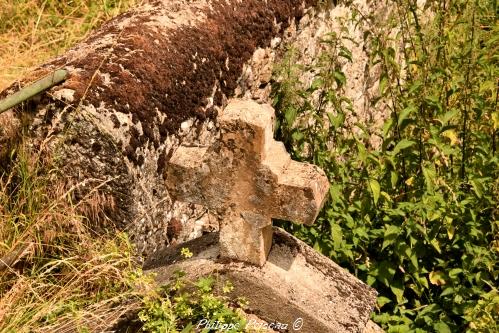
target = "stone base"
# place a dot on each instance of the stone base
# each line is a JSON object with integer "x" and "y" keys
{"x": 296, "y": 283}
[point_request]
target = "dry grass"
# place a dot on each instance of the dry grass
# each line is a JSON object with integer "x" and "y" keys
{"x": 54, "y": 269}
{"x": 56, "y": 273}
{"x": 32, "y": 31}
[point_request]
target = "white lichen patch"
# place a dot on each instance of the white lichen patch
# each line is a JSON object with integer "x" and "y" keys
{"x": 66, "y": 95}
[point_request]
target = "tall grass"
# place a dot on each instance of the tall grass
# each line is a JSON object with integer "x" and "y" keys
{"x": 32, "y": 31}
{"x": 54, "y": 270}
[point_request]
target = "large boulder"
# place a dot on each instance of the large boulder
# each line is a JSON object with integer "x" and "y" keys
{"x": 155, "y": 78}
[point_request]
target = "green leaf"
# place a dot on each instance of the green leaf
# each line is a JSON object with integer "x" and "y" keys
{"x": 375, "y": 189}
{"x": 337, "y": 235}
{"x": 394, "y": 177}
{"x": 447, "y": 291}
{"x": 403, "y": 144}
{"x": 340, "y": 78}
{"x": 434, "y": 101}
{"x": 478, "y": 187}
{"x": 397, "y": 288}
{"x": 391, "y": 234}
{"x": 297, "y": 136}
{"x": 371, "y": 280}
{"x": 345, "y": 53}
{"x": 423, "y": 280}
{"x": 448, "y": 116}
{"x": 335, "y": 193}
{"x": 290, "y": 115}
{"x": 442, "y": 327}
{"x": 385, "y": 272}
{"x": 317, "y": 246}
{"x": 205, "y": 284}
{"x": 386, "y": 196}
{"x": 429, "y": 176}
{"x": 382, "y": 300}
{"x": 436, "y": 245}
{"x": 317, "y": 83}
{"x": 387, "y": 126}
{"x": 336, "y": 120}
{"x": 402, "y": 328}
{"x": 411, "y": 255}
{"x": 495, "y": 119}
{"x": 453, "y": 273}
{"x": 405, "y": 113}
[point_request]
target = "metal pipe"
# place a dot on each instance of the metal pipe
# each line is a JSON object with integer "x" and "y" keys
{"x": 33, "y": 89}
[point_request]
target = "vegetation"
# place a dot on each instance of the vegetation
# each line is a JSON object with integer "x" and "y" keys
{"x": 54, "y": 267}
{"x": 414, "y": 216}
{"x": 32, "y": 31}
{"x": 183, "y": 305}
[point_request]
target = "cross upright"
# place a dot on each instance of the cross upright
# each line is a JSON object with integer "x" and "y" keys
{"x": 248, "y": 178}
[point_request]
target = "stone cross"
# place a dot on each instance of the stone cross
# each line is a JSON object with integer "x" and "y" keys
{"x": 250, "y": 179}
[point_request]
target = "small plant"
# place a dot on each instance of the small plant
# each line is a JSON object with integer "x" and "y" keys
{"x": 183, "y": 305}
{"x": 186, "y": 253}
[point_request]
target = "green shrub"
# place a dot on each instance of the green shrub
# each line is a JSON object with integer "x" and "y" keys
{"x": 416, "y": 217}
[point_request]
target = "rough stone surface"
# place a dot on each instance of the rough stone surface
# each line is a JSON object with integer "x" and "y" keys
{"x": 157, "y": 77}
{"x": 9, "y": 126}
{"x": 353, "y": 23}
{"x": 371, "y": 327}
{"x": 295, "y": 282}
{"x": 248, "y": 178}
{"x": 143, "y": 83}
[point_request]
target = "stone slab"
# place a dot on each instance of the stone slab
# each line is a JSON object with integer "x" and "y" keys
{"x": 295, "y": 282}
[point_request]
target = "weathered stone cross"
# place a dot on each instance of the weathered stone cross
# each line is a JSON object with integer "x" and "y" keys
{"x": 249, "y": 178}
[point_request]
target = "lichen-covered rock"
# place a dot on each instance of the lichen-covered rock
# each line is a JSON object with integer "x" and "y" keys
{"x": 249, "y": 179}
{"x": 353, "y": 24}
{"x": 154, "y": 78}
{"x": 143, "y": 83}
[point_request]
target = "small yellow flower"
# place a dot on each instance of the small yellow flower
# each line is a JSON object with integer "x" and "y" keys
{"x": 186, "y": 253}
